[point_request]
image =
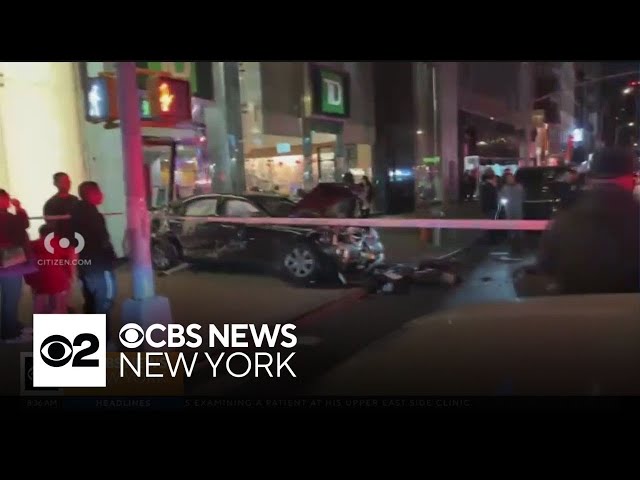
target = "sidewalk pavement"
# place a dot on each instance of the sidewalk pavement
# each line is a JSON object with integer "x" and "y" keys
{"x": 412, "y": 244}
{"x": 451, "y": 210}
{"x": 215, "y": 297}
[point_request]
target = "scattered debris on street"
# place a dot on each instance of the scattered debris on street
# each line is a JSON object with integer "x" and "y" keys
{"x": 398, "y": 279}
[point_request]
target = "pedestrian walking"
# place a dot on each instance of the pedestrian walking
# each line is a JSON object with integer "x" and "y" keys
{"x": 97, "y": 258}
{"x": 15, "y": 262}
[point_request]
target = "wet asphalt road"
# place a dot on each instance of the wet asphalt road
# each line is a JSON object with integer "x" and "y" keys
{"x": 329, "y": 339}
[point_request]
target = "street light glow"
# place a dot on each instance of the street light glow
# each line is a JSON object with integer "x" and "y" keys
{"x": 419, "y": 132}
{"x": 631, "y": 124}
{"x": 627, "y": 91}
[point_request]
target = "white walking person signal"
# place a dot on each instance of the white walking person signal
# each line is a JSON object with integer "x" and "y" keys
{"x": 94, "y": 101}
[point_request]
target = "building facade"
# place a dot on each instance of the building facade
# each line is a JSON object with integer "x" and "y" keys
{"x": 305, "y": 123}
{"x": 40, "y": 130}
{"x": 431, "y": 115}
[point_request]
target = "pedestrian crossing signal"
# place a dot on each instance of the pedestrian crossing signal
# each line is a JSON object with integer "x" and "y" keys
{"x": 101, "y": 99}
{"x": 169, "y": 98}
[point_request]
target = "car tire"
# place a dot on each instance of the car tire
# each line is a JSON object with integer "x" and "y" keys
{"x": 164, "y": 255}
{"x": 300, "y": 264}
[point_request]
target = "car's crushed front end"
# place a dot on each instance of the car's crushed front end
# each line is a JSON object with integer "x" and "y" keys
{"x": 353, "y": 249}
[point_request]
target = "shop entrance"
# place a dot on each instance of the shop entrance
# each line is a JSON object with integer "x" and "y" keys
{"x": 324, "y": 156}
{"x": 172, "y": 169}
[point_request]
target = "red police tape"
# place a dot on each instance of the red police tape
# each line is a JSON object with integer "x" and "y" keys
{"x": 461, "y": 224}
{"x": 67, "y": 217}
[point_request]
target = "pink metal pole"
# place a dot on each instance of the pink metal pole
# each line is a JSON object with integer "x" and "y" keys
{"x": 138, "y": 221}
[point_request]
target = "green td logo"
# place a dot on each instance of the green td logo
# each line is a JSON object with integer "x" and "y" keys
{"x": 333, "y": 99}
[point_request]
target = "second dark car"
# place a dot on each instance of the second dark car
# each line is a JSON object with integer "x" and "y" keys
{"x": 542, "y": 189}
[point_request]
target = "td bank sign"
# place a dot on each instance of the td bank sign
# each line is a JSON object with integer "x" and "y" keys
{"x": 330, "y": 92}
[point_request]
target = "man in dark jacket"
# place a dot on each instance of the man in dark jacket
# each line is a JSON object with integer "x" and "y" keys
{"x": 97, "y": 256}
{"x": 593, "y": 246}
{"x": 569, "y": 190}
{"x": 61, "y": 204}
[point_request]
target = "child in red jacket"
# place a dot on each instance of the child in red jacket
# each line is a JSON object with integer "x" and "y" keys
{"x": 52, "y": 281}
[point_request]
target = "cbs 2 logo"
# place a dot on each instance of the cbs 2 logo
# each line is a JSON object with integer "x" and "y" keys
{"x": 57, "y": 351}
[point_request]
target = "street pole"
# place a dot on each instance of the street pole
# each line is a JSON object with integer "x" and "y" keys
{"x": 138, "y": 231}
{"x": 144, "y": 308}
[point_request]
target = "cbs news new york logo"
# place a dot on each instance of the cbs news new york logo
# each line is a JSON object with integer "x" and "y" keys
{"x": 69, "y": 350}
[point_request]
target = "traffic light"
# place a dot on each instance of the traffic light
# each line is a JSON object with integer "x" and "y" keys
{"x": 101, "y": 99}
{"x": 169, "y": 98}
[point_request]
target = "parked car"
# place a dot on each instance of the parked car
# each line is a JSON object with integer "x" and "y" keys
{"x": 542, "y": 190}
{"x": 302, "y": 255}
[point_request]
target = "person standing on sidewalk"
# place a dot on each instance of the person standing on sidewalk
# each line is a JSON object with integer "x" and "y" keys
{"x": 366, "y": 197}
{"x": 15, "y": 262}
{"x": 569, "y": 189}
{"x": 62, "y": 203}
{"x": 97, "y": 258}
{"x": 51, "y": 283}
{"x": 512, "y": 200}
{"x": 489, "y": 200}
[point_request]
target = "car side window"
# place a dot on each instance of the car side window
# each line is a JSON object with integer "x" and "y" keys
{"x": 240, "y": 208}
{"x": 205, "y": 207}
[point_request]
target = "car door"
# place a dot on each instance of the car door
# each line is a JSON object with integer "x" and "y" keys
{"x": 239, "y": 240}
{"x": 197, "y": 235}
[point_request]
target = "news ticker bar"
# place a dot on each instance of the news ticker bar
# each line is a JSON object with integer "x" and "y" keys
{"x": 424, "y": 223}
{"x": 310, "y": 402}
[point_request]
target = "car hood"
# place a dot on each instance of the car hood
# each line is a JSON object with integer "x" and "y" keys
{"x": 323, "y": 198}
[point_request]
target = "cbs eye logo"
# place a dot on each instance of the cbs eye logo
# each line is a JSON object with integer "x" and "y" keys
{"x": 131, "y": 335}
{"x": 57, "y": 351}
{"x": 69, "y": 350}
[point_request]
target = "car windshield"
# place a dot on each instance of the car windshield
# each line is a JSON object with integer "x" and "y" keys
{"x": 276, "y": 207}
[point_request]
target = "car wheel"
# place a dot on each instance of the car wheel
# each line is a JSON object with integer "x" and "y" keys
{"x": 300, "y": 264}
{"x": 164, "y": 255}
